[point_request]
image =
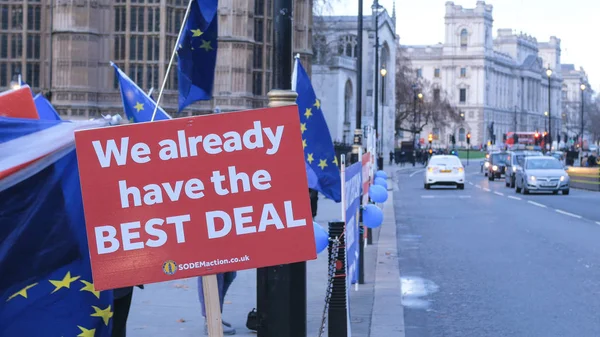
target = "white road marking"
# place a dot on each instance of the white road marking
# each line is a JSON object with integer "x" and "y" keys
{"x": 445, "y": 196}
{"x": 470, "y": 183}
{"x": 515, "y": 198}
{"x": 477, "y": 186}
{"x": 427, "y": 196}
{"x": 569, "y": 214}
{"x": 498, "y": 193}
{"x": 598, "y": 223}
{"x": 487, "y": 189}
{"x": 537, "y": 204}
{"x": 417, "y": 171}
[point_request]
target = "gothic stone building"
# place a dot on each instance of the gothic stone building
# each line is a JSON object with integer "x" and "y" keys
{"x": 62, "y": 48}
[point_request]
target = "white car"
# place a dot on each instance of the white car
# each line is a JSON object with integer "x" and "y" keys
{"x": 445, "y": 170}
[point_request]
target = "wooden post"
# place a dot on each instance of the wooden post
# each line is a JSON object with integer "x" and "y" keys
{"x": 212, "y": 306}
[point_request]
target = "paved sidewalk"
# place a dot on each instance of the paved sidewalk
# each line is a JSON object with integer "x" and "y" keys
{"x": 172, "y": 309}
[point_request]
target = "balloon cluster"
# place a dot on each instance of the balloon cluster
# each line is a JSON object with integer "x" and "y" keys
{"x": 321, "y": 237}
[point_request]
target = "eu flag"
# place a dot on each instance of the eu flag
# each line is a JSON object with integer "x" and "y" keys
{"x": 46, "y": 288}
{"x": 197, "y": 53}
{"x": 44, "y": 108}
{"x": 322, "y": 168}
{"x": 138, "y": 106}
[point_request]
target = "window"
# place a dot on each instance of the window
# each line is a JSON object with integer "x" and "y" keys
{"x": 34, "y": 17}
{"x": 4, "y": 46}
{"x": 153, "y": 48}
{"x": 257, "y": 83}
{"x": 258, "y": 56}
{"x": 463, "y": 95}
{"x": 33, "y": 74}
{"x": 3, "y": 75}
{"x": 419, "y": 73}
{"x": 464, "y": 36}
{"x": 258, "y": 30}
{"x": 16, "y": 45}
{"x": 120, "y": 19}
{"x": 16, "y": 17}
{"x": 259, "y": 7}
{"x": 33, "y": 46}
{"x": 347, "y": 102}
{"x": 461, "y": 135}
{"x": 436, "y": 73}
{"x": 436, "y": 95}
{"x": 136, "y": 48}
{"x": 5, "y": 16}
{"x": 119, "y": 47}
{"x": 436, "y": 133}
{"x": 463, "y": 72}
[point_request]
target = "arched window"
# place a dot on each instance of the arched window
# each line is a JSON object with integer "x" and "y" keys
{"x": 464, "y": 36}
{"x": 461, "y": 135}
{"x": 349, "y": 50}
{"x": 347, "y": 110}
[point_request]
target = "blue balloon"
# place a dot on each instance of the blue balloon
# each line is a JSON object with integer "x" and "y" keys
{"x": 378, "y": 193}
{"x": 321, "y": 237}
{"x": 381, "y": 174}
{"x": 372, "y": 216}
{"x": 381, "y": 182}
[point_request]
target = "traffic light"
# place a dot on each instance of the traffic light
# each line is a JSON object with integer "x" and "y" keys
{"x": 430, "y": 151}
{"x": 536, "y": 139}
{"x": 469, "y": 138}
{"x": 430, "y": 138}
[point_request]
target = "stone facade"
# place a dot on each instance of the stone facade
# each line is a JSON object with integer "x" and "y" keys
{"x": 62, "y": 48}
{"x": 572, "y": 96}
{"x": 334, "y": 77}
{"x": 500, "y": 84}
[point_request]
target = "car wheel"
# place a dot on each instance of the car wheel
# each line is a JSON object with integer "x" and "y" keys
{"x": 512, "y": 183}
{"x": 461, "y": 186}
{"x": 565, "y": 192}
{"x": 525, "y": 190}
{"x": 517, "y": 189}
{"x": 555, "y": 192}
{"x": 426, "y": 186}
{"x": 490, "y": 177}
{"x": 506, "y": 184}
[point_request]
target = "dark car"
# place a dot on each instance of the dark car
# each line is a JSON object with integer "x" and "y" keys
{"x": 514, "y": 161}
{"x": 497, "y": 166}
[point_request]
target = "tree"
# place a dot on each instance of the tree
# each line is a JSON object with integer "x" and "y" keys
{"x": 413, "y": 111}
{"x": 592, "y": 124}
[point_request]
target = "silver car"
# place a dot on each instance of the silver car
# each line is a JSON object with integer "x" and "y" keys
{"x": 542, "y": 174}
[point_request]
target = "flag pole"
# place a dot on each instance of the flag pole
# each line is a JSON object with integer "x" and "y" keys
{"x": 164, "y": 83}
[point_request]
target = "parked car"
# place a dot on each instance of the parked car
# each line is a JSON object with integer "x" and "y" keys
{"x": 542, "y": 174}
{"x": 444, "y": 170}
{"x": 497, "y": 166}
{"x": 515, "y": 160}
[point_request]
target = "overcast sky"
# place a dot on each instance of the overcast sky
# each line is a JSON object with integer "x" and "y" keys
{"x": 575, "y": 22}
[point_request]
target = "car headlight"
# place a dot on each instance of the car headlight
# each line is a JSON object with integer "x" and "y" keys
{"x": 487, "y": 164}
{"x": 563, "y": 178}
{"x": 495, "y": 168}
{"x": 430, "y": 169}
{"x": 532, "y": 178}
{"x": 514, "y": 169}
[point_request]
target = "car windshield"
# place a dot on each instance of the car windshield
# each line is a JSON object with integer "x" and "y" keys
{"x": 543, "y": 164}
{"x": 499, "y": 158}
{"x": 445, "y": 161}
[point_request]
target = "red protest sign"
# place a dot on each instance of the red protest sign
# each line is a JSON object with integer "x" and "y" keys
{"x": 195, "y": 196}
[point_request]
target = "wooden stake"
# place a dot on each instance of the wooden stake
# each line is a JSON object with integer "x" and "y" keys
{"x": 212, "y": 305}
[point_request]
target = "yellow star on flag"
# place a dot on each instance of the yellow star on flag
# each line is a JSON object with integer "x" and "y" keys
{"x": 310, "y": 158}
{"x": 85, "y": 332}
{"x": 206, "y": 45}
{"x": 302, "y": 127}
{"x": 317, "y": 104}
{"x": 335, "y": 161}
{"x": 304, "y": 143}
{"x": 105, "y": 314}
{"x": 196, "y": 32}
{"x": 64, "y": 283}
{"x": 22, "y": 292}
{"x": 89, "y": 287}
{"x": 308, "y": 113}
{"x": 139, "y": 106}
{"x": 322, "y": 163}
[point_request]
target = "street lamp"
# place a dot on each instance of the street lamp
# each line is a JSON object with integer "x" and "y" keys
{"x": 358, "y": 128}
{"x": 549, "y": 74}
{"x": 375, "y": 7}
{"x": 582, "y": 87}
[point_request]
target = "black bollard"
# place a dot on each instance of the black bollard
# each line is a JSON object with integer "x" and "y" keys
{"x": 338, "y": 306}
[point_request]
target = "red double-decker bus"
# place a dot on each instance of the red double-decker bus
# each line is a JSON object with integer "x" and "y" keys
{"x": 526, "y": 138}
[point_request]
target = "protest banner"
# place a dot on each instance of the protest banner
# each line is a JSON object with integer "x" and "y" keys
{"x": 351, "y": 192}
{"x": 195, "y": 196}
{"x": 366, "y": 177}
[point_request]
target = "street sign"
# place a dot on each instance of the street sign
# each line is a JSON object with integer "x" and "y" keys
{"x": 195, "y": 196}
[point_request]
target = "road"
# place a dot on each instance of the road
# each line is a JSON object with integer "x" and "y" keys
{"x": 486, "y": 261}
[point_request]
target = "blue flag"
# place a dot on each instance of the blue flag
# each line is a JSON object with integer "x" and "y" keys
{"x": 322, "y": 167}
{"x": 46, "y": 287}
{"x": 197, "y": 53}
{"x": 45, "y": 109}
{"x": 138, "y": 106}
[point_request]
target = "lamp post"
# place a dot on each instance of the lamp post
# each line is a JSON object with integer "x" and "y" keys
{"x": 549, "y": 74}
{"x": 414, "y": 127}
{"x": 358, "y": 128}
{"x": 582, "y": 87}
{"x": 375, "y": 7}
{"x": 383, "y": 72}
